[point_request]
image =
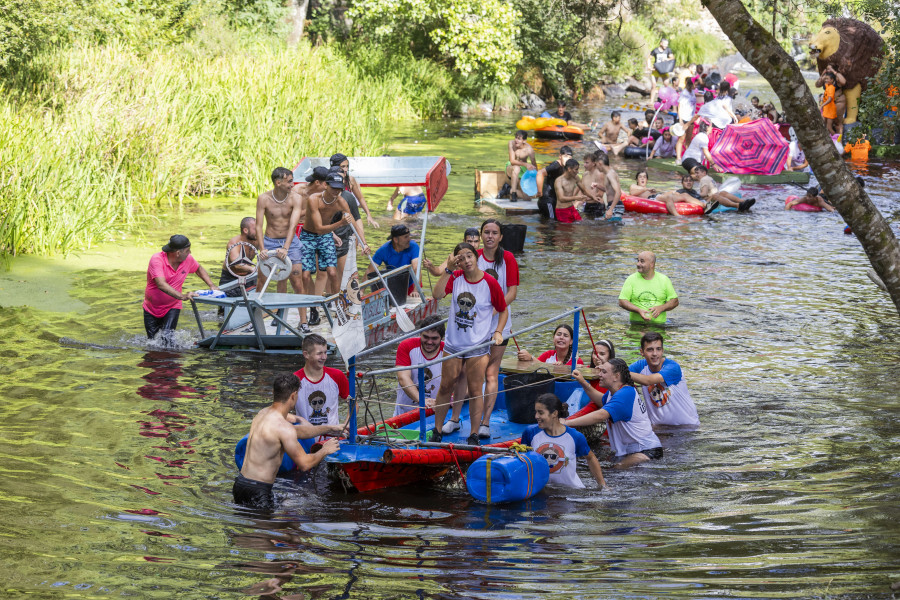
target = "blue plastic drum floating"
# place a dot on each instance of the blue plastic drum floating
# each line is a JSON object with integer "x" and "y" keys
{"x": 507, "y": 478}
{"x": 528, "y": 182}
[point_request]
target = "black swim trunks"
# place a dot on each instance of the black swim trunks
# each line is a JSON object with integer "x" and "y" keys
{"x": 654, "y": 453}
{"x": 252, "y": 493}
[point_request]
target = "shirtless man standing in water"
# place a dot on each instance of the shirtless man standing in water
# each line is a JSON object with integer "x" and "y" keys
{"x": 277, "y": 214}
{"x": 520, "y": 152}
{"x": 273, "y": 433}
{"x": 569, "y": 191}
{"x": 610, "y": 183}
{"x": 609, "y": 133}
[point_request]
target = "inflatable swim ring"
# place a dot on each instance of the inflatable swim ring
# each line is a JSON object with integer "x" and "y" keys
{"x": 802, "y": 207}
{"x": 636, "y": 152}
{"x": 555, "y": 132}
{"x": 647, "y": 206}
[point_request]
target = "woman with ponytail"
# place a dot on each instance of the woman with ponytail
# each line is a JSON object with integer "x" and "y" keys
{"x": 502, "y": 266}
{"x": 559, "y": 444}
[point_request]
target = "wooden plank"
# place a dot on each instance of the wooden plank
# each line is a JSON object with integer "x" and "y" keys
{"x": 504, "y": 206}
{"x": 512, "y": 365}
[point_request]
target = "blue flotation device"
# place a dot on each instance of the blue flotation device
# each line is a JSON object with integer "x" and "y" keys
{"x": 287, "y": 465}
{"x": 501, "y": 478}
{"x": 546, "y": 115}
{"x": 528, "y": 182}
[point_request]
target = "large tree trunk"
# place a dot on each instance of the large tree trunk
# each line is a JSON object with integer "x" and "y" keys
{"x": 298, "y": 9}
{"x": 763, "y": 52}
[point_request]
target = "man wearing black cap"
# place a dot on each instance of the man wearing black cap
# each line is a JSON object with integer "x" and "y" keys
{"x": 399, "y": 251}
{"x": 318, "y": 242}
{"x": 352, "y": 186}
{"x": 165, "y": 277}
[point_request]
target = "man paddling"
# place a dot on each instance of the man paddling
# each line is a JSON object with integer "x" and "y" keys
{"x": 663, "y": 385}
{"x": 165, "y": 277}
{"x": 273, "y": 434}
{"x": 520, "y": 154}
{"x": 647, "y": 294}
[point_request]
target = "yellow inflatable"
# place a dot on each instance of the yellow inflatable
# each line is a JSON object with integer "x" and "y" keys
{"x": 525, "y": 124}
{"x": 557, "y": 123}
{"x": 541, "y": 122}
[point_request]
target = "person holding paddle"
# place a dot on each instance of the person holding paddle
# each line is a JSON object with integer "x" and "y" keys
{"x": 475, "y": 296}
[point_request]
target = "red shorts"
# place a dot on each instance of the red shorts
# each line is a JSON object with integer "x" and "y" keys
{"x": 567, "y": 215}
{"x": 299, "y": 229}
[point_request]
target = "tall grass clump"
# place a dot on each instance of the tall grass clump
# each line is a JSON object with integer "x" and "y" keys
{"x": 107, "y": 132}
{"x": 692, "y": 48}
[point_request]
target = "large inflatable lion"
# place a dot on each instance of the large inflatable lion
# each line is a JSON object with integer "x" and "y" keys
{"x": 854, "y": 50}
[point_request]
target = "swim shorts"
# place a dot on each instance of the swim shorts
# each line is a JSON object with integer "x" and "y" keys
{"x": 276, "y": 243}
{"x": 470, "y": 354}
{"x": 412, "y": 205}
{"x": 252, "y": 493}
{"x": 653, "y": 453}
{"x": 567, "y": 215}
{"x": 317, "y": 246}
{"x": 522, "y": 169}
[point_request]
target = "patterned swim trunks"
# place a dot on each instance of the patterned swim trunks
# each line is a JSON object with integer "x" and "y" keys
{"x": 321, "y": 246}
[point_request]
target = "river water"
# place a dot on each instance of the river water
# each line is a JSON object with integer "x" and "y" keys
{"x": 118, "y": 456}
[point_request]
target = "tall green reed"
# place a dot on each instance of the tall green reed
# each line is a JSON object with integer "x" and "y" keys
{"x": 108, "y": 133}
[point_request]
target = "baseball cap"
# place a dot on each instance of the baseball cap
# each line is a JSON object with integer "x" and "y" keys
{"x": 398, "y": 230}
{"x": 334, "y": 180}
{"x": 318, "y": 174}
{"x": 677, "y": 129}
{"x": 177, "y": 242}
{"x": 337, "y": 159}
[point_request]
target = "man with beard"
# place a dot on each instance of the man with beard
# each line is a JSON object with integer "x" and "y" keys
{"x": 414, "y": 352}
{"x": 240, "y": 257}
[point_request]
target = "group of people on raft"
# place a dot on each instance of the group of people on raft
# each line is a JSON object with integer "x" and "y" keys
{"x": 482, "y": 279}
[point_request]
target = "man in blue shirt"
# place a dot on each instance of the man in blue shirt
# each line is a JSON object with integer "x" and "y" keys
{"x": 663, "y": 385}
{"x": 397, "y": 252}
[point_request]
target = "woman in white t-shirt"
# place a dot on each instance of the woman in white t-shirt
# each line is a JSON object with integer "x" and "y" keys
{"x": 699, "y": 148}
{"x": 475, "y": 296}
{"x": 560, "y": 445}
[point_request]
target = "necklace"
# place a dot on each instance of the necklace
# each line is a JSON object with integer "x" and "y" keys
{"x": 326, "y": 202}
{"x": 280, "y": 201}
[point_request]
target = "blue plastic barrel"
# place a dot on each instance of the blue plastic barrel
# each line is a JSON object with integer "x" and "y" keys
{"x": 501, "y": 478}
{"x": 287, "y": 465}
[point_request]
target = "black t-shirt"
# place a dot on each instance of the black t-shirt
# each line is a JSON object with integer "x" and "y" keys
{"x": 690, "y": 192}
{"x": 566, "y": 116}
{"x": 346, "y": 231}
{"x": 554, "y": 172}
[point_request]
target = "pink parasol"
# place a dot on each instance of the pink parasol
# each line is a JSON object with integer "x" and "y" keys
{"x": 754, "y": 148}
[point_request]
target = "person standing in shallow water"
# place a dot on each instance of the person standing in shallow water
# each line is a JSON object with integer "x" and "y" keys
{"x": 663, "y": 385}
{"x": 647, "y": 294}
{"x": 165, "y": 277}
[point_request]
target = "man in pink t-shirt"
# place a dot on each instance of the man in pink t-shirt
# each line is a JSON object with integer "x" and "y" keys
{"x": 165, "y": 277}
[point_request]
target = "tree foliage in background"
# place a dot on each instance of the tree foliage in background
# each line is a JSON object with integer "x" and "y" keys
{"x": 475, "y": 37}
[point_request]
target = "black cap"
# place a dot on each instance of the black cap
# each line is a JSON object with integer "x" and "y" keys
{"x": 177, "y": 242}
{"x": 398, "y": 230}
{"x": 318, "y": 174}
{"x": 334, "y": 180}
{"x": 471, "y": 231}
{"x": 337, "y": 159}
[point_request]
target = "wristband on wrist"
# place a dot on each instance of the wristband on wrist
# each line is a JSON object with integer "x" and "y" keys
{"x": 448, "y": 271}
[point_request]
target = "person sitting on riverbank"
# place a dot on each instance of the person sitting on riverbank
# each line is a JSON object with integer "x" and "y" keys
{"x": 521, "y": 160}
{"x": 321, "y": 387}
{"x": 559, "y": 444}
{"x": 648, "y": 294}
{"x": 797, "y": 157}
{"x": 663, "y": 385}
{"x": 417, "y": 351}
{"x": 631, "y": 435}
{"x": 273, "y": 433}
{"x": 240, "y": 252}
{"x": 569, "y": 192}
{"x": 413, "y": 201}
{"x": 698, "y": 150}
{"x": 710, "y": 193}
{"x": 561, "y": 354}
{"x": 165, "y": 277}
{"x": 812, "y": 197}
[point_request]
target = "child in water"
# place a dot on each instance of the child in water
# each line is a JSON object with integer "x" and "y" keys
{"x": 559, "y": 444}
{"x": 812, "y": 198}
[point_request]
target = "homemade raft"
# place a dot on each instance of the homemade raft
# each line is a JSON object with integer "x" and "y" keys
{"x": 395, "y": 451}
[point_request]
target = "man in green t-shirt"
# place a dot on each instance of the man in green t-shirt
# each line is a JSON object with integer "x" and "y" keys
{"x": 648, "y": 294}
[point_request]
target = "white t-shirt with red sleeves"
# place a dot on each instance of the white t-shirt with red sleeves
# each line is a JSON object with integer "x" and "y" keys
{"x": 317, "y": 401}
{"x": 409, "y": 354}
{"x": 507, "y": 275}
{"x": 472, "y": 310}
{"x": 550, "y": 358}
